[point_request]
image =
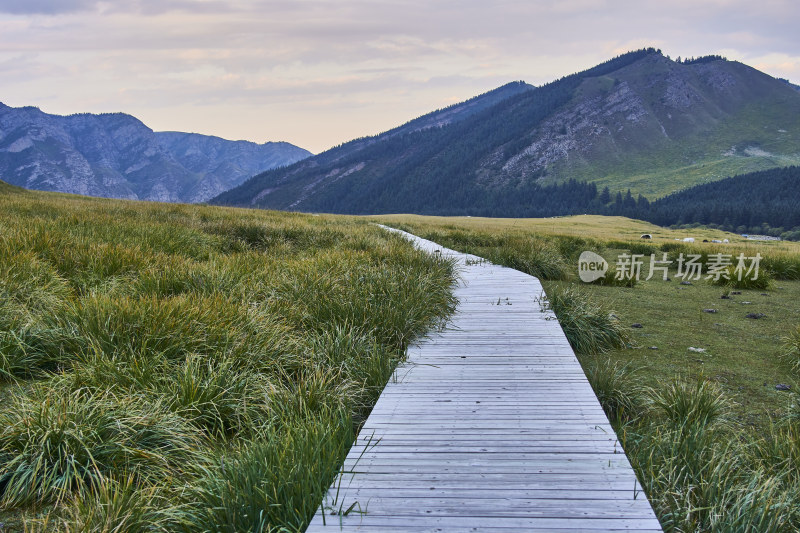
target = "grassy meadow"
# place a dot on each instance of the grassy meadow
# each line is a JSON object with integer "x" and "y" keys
{"x": 714, "y": 442}
{"x": 189, "y": 368}
{"x": 602, "y": 229}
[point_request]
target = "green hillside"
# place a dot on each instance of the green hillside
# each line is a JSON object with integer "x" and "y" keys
{"x": 639, "y": 121}
{"x": 756, "y": 131}
{"x": 5, "y": 188}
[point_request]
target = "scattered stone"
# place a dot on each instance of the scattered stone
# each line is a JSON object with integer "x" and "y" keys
{"x": 724, "y": 297}
{"x": 612, "y": 315}
{"x": 782, "y": 386}
{"x": 697, "y": 350}
{"x": 764, "y": 294}
{"x": 718, "y": 324}
{"x": 709, "y": 310}
{"x": 736, "y": 292}
{"x": 637, "y": 325}
{"x": 745, "y": 303}
{"x": 653, "y": 348}
{"x": 686, "y": 282}
{"x": 755, "y": 316}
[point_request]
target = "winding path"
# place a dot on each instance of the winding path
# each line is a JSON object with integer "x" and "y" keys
{"x": 490, "y": 425}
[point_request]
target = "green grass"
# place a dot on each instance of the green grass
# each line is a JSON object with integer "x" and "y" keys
{"x": 588, "y": 325}
{"x": 694, "y": 156}
{"x": 793, "y": 348}
{"x": 637, "y": 175}
{"x": 715, "y": 445}
{"x": 612, "y": 385}
{"x": 187, "y": 368}
{"x": 587, "y": 229}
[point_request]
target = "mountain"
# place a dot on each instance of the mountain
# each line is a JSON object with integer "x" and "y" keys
{"x": 117, "y": 156}
{"x": 640, "y": 121}
{"x": 790, "y": 84}
{"x": 225, "y": 164}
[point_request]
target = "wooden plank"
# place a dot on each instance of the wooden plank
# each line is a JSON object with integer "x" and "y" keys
{"x": 481, "y": 522}
{"x": 489, "y": 425}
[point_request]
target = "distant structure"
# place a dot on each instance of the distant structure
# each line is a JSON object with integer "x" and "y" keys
{"x": 760, "y": 237}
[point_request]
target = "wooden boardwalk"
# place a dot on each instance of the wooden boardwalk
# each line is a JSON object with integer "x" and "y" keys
{"x": 490, "y": 425}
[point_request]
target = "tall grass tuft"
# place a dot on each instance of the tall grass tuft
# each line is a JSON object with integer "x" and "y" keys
{"x": 763, "y": 281}
{"x": 357, "y": 355}
{"x": 535, "y": 256}
{"x": 703, "y": 475}
{"x": 29, "y": 288}
{"x": 615, "y": 389}
{"x": 588, "y": 325}
{"x": 171, "y": 327}
{"x": 782, "y": 265}
{"x": 113, "y": 506}
{"x": 792, "y": 347}
{"x": 55, "y": 441}
{"x": 272, "y": 481}
{"x": 390, "y": 303}
{"x": 215, "y": 396}
{"x": 689, "y": 405}
{"x": 544, "y": 258}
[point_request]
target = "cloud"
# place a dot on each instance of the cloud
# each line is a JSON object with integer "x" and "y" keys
{"x": 48, "y": 7}
{"x": 358, "y": 64}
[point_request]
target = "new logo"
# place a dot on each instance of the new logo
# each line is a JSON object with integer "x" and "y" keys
{"x": 591, "y": 266}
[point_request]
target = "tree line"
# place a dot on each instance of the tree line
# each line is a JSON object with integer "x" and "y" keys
{"x": 765, "y": 202}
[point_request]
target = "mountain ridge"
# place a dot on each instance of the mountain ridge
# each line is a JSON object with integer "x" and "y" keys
{"x": 115, "y": 155}
{"x": 639, "y": 121}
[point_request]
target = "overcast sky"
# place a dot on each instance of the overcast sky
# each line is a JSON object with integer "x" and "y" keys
{"x": 319, "y": 73}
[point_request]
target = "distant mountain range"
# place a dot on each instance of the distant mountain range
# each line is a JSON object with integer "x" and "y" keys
{"x": 117, "y": 156}
{"x": 640, "y": 121}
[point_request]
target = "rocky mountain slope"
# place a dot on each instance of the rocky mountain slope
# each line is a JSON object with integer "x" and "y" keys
{"x": 225, "y": 164}
{"x": 117, "y": 156}
{"x": 639, "y": 121}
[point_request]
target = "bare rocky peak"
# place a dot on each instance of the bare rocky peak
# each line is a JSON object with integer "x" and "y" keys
{"x": 639, "y": 107}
